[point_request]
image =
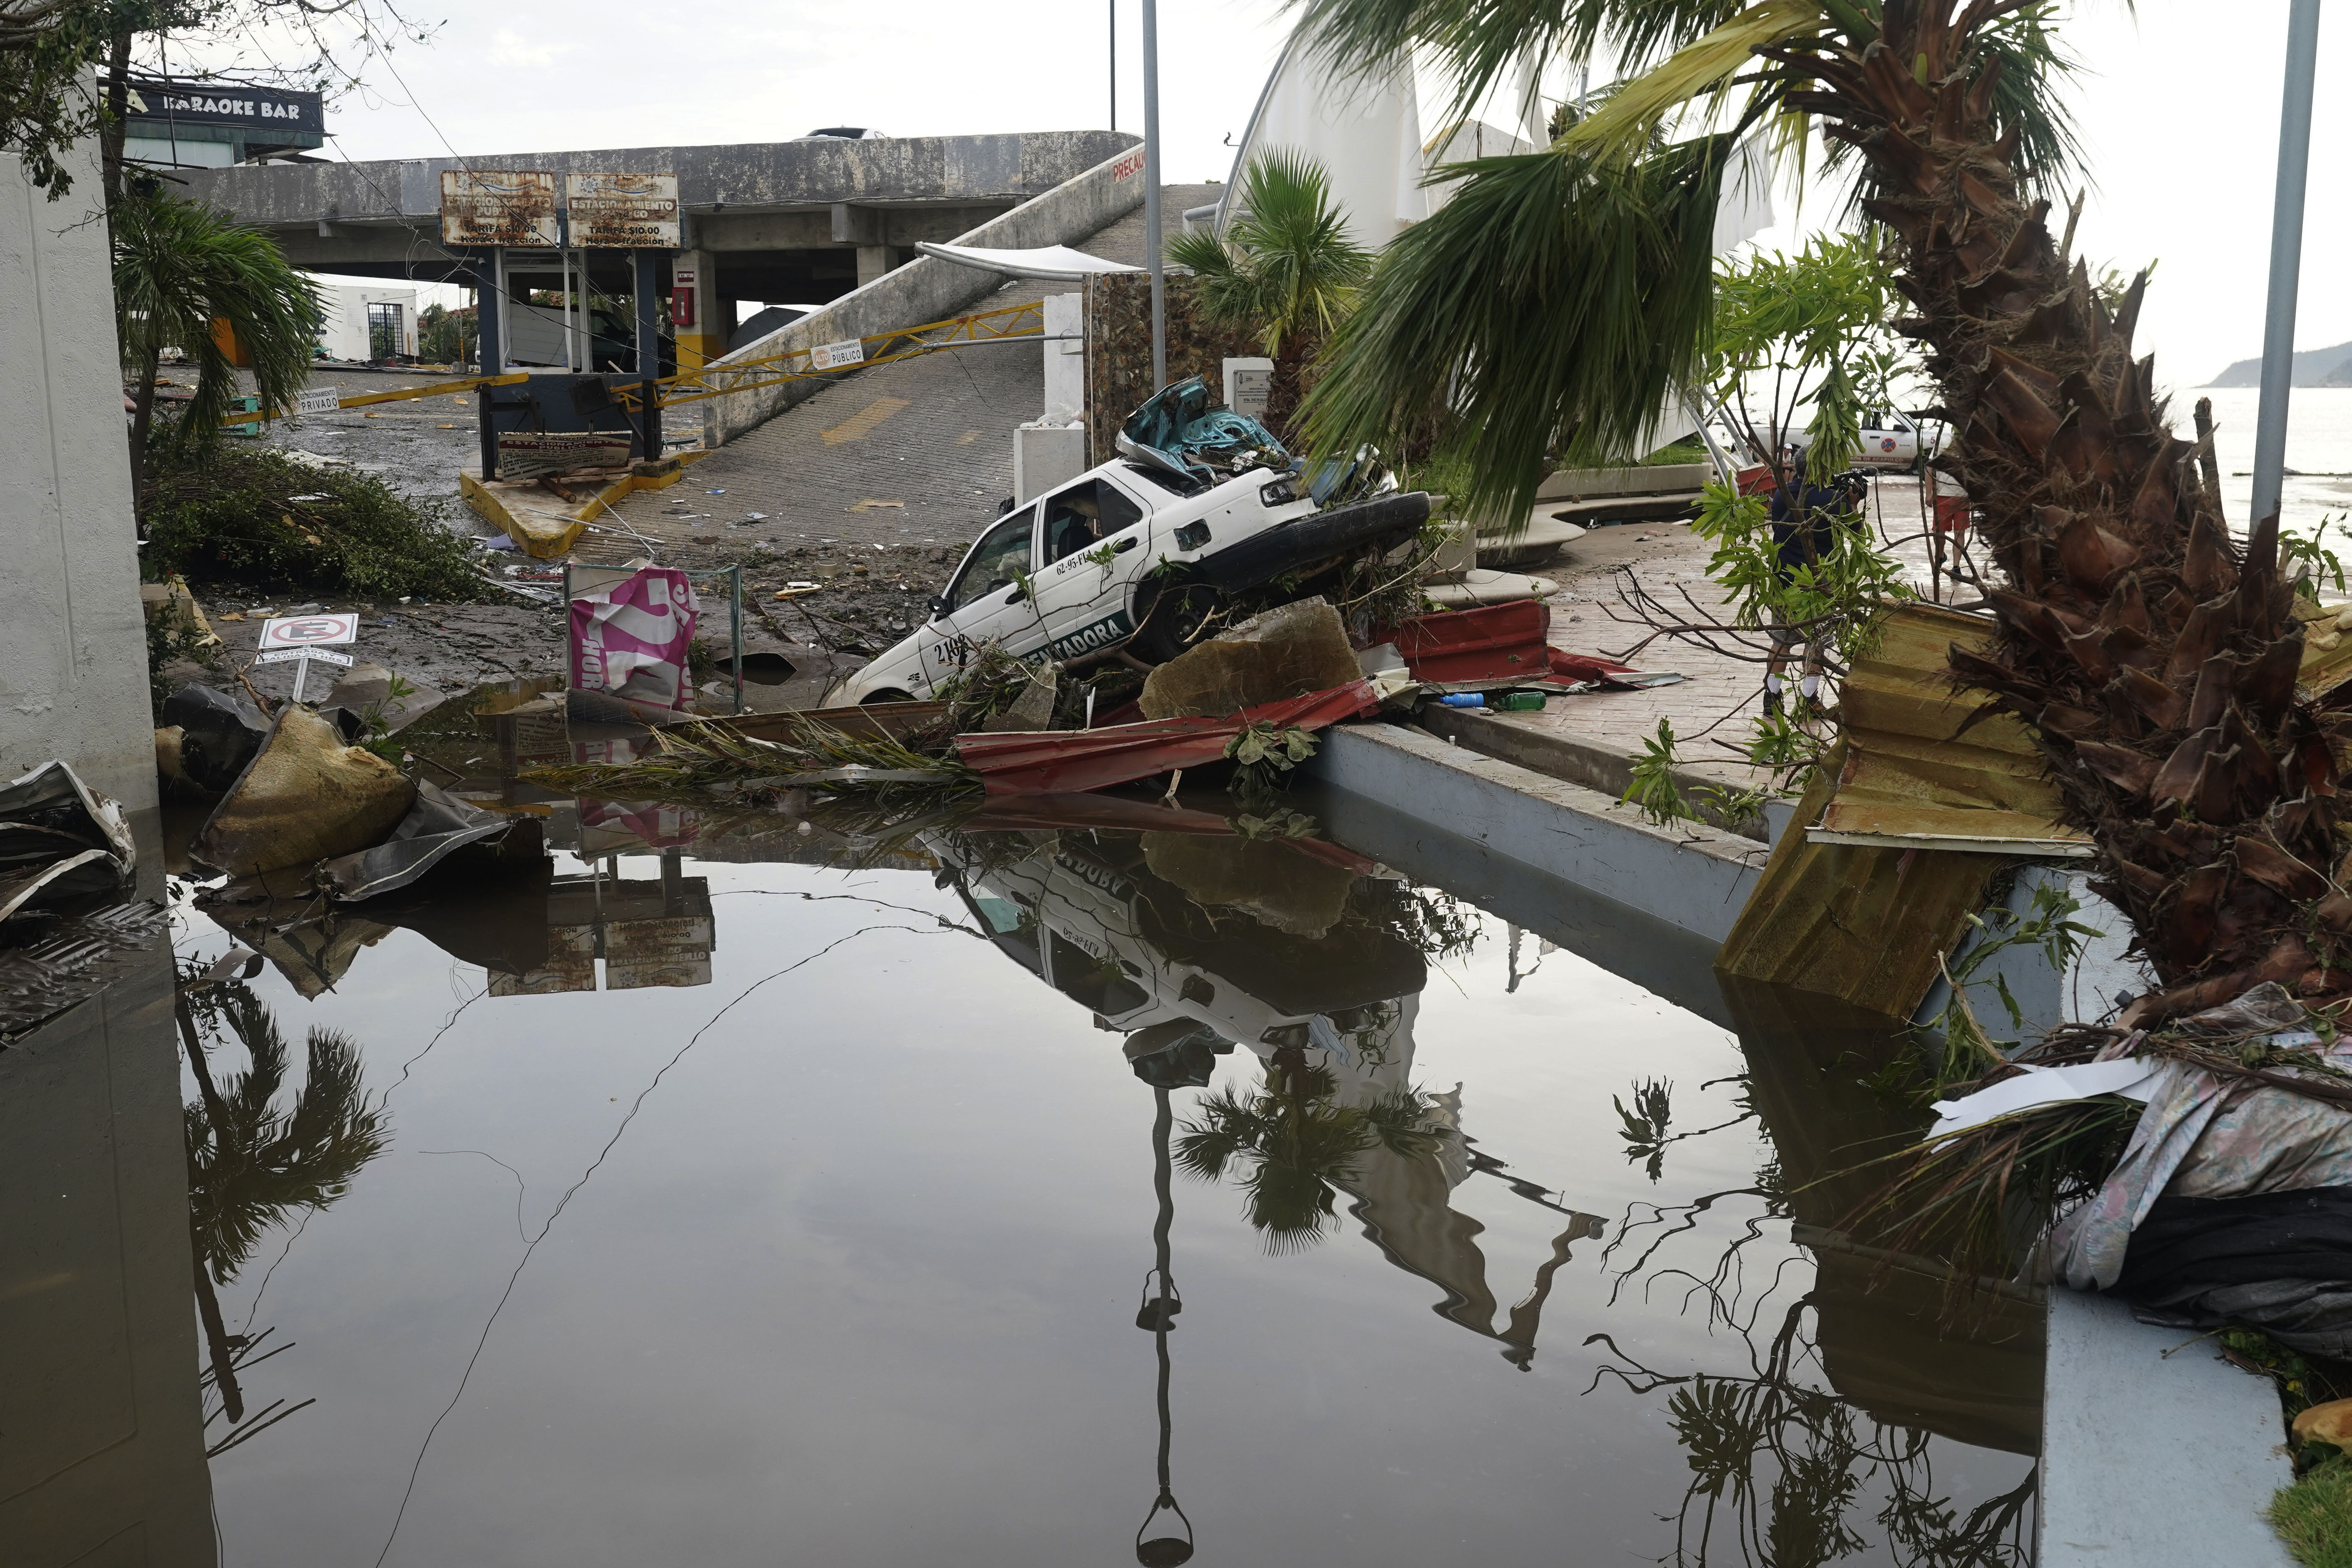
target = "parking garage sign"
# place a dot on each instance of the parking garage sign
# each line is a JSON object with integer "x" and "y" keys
{"x": 495, "y": 206}
{"x": 623, "y": 211}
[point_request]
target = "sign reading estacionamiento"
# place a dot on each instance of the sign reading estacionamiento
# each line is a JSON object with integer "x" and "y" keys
{"x": 492, "y": 206}
{"x": 623, "y": 211}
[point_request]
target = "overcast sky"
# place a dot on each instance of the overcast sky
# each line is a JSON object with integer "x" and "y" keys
{"x": 2179, "y": 109}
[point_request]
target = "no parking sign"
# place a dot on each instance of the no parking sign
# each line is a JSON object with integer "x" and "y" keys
{"x": 297, "y": 637}
{"x": 309, "y": 631}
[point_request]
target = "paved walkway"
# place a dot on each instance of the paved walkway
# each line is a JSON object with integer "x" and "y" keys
{"x": 1714, "y": 712}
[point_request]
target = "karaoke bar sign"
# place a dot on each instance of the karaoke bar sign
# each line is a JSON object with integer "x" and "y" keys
{"x": 228, "y": 103}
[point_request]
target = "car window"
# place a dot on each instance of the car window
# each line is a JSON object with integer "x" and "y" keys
{"x": 1002, "y": 552}
{"x": 1083, "y": 515}
{"x": 1873, "y": 419}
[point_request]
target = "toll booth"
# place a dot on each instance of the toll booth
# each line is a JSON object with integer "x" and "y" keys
{"x": 529, "y": 230}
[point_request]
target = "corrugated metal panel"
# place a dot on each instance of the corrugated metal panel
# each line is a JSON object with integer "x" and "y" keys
{"x": 1861, "y": 924}
{"x": 1917, "y": 774}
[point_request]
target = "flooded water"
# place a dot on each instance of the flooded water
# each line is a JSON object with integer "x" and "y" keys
{"x": 1032, "y": 1193}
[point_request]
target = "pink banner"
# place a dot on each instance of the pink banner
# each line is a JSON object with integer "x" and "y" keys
{"x": 630, "y": 639}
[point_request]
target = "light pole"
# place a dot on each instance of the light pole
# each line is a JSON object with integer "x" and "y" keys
{"x": 1152, "y": 189}
{"x": 1114, "y": 64}
{"x": 2286, "y": 258}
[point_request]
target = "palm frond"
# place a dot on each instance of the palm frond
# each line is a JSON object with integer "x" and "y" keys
{"x": 1633, "y": 116}
{"x": 1544, "y": 314}
{"x": 1481, "y": 43}
{"x": 180, "y": 266}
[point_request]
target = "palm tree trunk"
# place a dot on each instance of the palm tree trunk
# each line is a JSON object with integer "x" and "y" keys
{"x": 2155, "y": 658}
{"x": 142, "y": 420}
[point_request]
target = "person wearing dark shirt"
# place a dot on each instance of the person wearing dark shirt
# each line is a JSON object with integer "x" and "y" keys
{"x": 1804, "y": 518}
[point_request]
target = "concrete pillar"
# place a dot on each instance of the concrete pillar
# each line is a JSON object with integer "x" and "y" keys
{"x": 73, "y": 642}
{"x": 1066, "y": 355}
{"x": 704, "y": 337}
{"x": 873, "y": 261}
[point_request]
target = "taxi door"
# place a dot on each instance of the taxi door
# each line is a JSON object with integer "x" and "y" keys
{"x": 987, "y": 601}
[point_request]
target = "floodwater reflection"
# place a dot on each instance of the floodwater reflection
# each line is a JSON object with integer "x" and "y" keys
{"x": 607, "y": 1240}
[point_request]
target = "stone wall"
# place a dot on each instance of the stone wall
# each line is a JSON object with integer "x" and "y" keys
{"x": 1118, "y": 350}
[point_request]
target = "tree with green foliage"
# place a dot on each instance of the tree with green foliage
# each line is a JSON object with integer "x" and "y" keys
{"x": 181, "y": 267}
{"x": 1814, "y": 326}
{"x": 1285, "y": 267}
{"x": 1560, "y": 295}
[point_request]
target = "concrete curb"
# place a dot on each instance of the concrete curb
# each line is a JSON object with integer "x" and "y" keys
{"x": 2153, "y": 1461}
{"x": 1693, "y": 878}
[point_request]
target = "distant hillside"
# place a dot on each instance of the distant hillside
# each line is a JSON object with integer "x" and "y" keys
{"x": 2313, "y": 368}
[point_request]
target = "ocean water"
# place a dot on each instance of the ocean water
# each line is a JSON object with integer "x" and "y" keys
{"x": 2318, "y": 452}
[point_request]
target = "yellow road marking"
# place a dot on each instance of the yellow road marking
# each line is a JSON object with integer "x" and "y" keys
{"x": 860, "y": 425}
{"x": 967, "y": 438}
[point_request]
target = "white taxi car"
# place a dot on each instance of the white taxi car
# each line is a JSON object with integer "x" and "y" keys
{"x": 1126, "y": 558}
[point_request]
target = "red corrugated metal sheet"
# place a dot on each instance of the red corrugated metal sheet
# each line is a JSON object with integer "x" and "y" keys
{"x": 1496, "y": 642}
{"x": 1045, "y": 762}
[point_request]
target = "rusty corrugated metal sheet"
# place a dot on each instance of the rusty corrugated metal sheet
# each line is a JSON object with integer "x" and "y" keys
{"x": 1864, "y": 925}
{"x": 1917, "y": 774}
{"x": 1053, "y": 761}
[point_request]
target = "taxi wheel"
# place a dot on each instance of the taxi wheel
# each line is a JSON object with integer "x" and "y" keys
{"x": 887, "y": 695}
{"x": 1173, "y": 619}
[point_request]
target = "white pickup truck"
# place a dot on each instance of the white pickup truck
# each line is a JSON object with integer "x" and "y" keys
{"x": 1126, "y": 558}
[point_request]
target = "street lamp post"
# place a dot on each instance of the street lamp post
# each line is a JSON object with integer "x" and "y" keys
{"x": 2286, "y": 258}
{"x": 1152, "y": 190}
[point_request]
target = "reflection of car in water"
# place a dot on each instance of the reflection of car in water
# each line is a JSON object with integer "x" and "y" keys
{"x": 1191, "y": 943}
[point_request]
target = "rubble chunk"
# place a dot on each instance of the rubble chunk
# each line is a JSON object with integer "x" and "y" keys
{"x": 1287, "y": 652}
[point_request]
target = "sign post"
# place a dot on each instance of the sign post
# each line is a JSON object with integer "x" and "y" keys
{"x": 302, "y": 638}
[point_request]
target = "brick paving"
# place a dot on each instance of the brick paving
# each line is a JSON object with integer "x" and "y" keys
{"x": 1713, "y": 713}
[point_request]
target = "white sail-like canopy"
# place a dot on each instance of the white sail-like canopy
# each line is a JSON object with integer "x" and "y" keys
{"x": 1050, "y": 263}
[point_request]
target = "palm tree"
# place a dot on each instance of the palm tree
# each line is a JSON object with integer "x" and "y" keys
{"x": 1285, "y": 269}
{"x": 181, "y": 267}
{"x": 250, "y": 1165}
{"x": 1558, "y": 297}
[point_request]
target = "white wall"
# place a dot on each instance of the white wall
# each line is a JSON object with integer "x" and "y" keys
{"x": 73, "y": 646}
{"x": 346, "y": 334}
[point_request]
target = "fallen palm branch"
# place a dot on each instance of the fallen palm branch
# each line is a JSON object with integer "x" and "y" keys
{"x": 699, "y": 761}
{"x": 1983, "y": 1196}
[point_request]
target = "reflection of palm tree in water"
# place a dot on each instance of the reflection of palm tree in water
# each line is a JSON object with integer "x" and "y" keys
{"x": 251, "y": 1166}
{"x": 1399, "y": 1152}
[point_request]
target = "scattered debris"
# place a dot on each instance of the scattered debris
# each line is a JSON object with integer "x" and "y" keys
{"x": 59, "y": 840}
{"x": 305, "y": 797}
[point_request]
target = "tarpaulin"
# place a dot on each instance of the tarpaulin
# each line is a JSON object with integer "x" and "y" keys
{"x": 437, "y": 824}
{"x": 630, "y": 638}
{"x": 2205, "y": 1136}
{"x": 2279, "y": 1261}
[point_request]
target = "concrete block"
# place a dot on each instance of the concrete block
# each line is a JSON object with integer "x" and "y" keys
{"x": 1045, "y": 455}
{"x": 2155, "y": 1451}
{"x": 1066, "y": 355}
{"x": 1690, "y": 877}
